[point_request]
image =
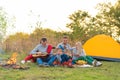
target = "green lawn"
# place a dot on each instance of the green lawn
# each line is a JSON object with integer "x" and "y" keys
{"x": 108, "y": 71}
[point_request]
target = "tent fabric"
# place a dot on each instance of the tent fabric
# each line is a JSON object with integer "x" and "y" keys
{"x": 106, "y": 58}
{"x": 104, "y": 47}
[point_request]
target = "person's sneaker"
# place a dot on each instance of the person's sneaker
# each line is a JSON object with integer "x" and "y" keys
{"x": 67, "y": 64}
{"x": 94, "y": 63}
{"x": 64, "y": 64}
{"x": 23, "y": 61}
{"x": 46, "y": 65}
{"x": 40, "y": 65}
{"x": 70, "y": 65}
{"x": 98, "y": 63}
{"x": 56, "y": 65}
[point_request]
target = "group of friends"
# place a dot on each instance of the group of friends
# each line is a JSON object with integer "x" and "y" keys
{"x": 63, "y": 55}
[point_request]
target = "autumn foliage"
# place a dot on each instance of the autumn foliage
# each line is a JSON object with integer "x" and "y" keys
{"x": 24, "y": 43}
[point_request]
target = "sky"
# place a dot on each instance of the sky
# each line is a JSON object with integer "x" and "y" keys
{"x": 52, "y": 14}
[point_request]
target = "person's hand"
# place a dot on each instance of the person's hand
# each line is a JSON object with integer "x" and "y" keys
{"x": 38, "y": 53}
{"x": 77, "y": 55}
{"x": 59, "y": 53}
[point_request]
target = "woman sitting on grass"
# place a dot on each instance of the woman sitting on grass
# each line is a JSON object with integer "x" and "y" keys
{"x": 78, "y": 53}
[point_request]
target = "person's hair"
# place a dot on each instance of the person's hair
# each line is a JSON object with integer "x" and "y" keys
{"x": 79, "y": 43}
{"x": 79, "y": 46}
{"x": 43, "y": 39}
{"x": 57, "y": 49}
{"x": 65, "y": 37}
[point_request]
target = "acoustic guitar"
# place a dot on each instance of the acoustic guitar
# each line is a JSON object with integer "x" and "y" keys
{"x": 42, "y": 55}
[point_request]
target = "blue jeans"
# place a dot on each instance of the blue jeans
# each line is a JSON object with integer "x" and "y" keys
{"x": 49, "y": 60}
{"x": 65, "y": 57}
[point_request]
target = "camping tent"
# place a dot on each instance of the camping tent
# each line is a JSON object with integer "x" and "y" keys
{"x": 103, "y": 47}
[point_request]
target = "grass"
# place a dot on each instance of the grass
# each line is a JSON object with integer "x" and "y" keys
{"x": 108, "y": 71}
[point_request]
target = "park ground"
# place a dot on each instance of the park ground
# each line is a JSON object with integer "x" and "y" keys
{"x": 108, "y": 71}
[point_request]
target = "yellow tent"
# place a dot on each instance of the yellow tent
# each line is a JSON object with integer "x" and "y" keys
{"x": 103, "y": 47}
